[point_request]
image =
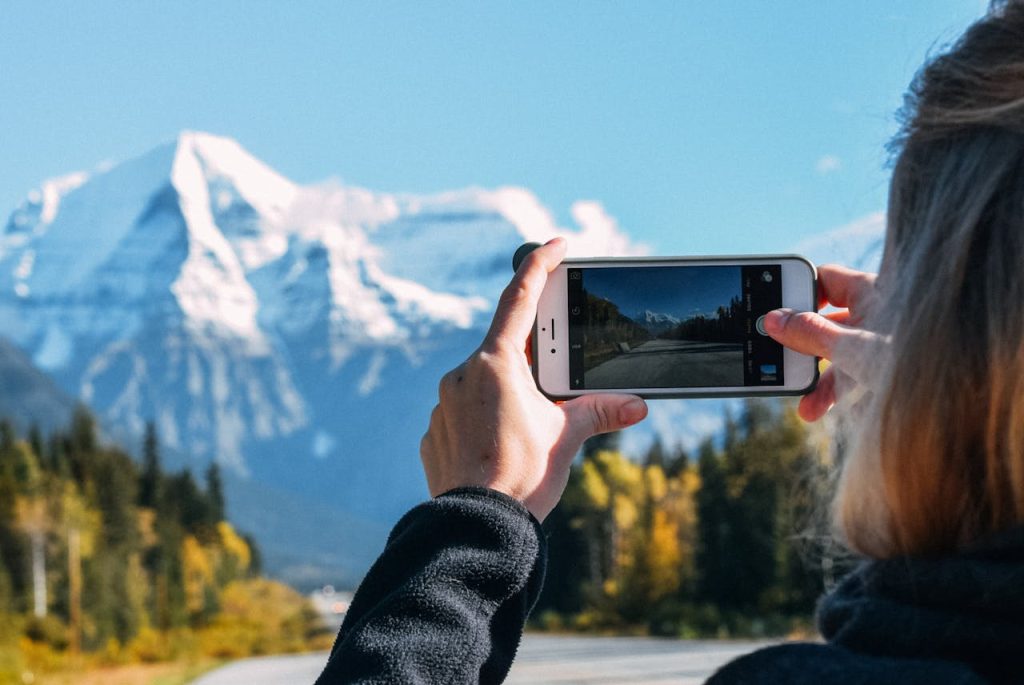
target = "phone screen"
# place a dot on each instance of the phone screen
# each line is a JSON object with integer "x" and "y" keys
{"x": 672, "y": 326}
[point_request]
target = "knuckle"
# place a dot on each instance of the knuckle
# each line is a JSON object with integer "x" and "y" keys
{"x": 533, "y": 261}
{"x": 433, "y": 429}
{"x": 600, "y": 417}
{"x": 501, "y": 348}
{"x": 807, "y": 320}
{"x": 490, "y": 363}
{"x": 862, "y": 283}
{"x": 516, "y": 291}
{"x": 447, "y": 385}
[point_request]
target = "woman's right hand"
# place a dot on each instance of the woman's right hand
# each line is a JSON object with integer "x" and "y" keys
{"x": 837, "y": 336}
{"x": 493, "y": 428}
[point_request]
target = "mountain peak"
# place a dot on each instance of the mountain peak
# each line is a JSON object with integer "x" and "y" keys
{"x": 196, "y": 286}
{"x": 233, "y": 173}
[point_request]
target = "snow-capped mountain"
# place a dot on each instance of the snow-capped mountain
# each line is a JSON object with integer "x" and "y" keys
{"x": 294, "y": 333}
{"x": 656, "y": 322}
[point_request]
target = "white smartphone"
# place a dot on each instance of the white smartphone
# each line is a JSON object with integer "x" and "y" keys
{"x": 671, "y": 327}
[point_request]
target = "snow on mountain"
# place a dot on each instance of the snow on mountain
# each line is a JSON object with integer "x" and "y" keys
{"x": 656, "y": 322}
{"x": 294, "y": 333}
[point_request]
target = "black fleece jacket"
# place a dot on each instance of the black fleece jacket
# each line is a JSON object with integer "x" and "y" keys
{"x": 447, "y": 600}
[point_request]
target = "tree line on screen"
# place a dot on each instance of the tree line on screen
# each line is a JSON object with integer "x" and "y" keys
{"x": 606, "y": 331}
{"x": 713, "y": 543}
{"x": 726, "y": 325}
{"x": 609, "y": 332}
{"x": 105, "y": 560}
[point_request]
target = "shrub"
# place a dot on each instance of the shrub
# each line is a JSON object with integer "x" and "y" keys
{"x": 48, "y": 630}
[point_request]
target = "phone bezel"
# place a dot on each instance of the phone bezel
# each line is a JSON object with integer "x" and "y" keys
{"x": 551, "y": 369}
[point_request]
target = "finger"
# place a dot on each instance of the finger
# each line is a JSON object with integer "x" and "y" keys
{"x": 816, "y": 404}
{"x": 841, "y": 316}
{"x": 517, "y": 306}
{"x": 844, "y": 287}
{"x": 806, "y": 332}
{"x": 589, "y": 415}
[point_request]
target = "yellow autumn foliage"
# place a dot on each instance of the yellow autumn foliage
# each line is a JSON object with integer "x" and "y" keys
{"x": 260, "y": 616}
{"x": 198, "y": 572}
{"x": 662, "y": 556}
{"x": 234, "y": 545}
{"x": 593, "y": 486}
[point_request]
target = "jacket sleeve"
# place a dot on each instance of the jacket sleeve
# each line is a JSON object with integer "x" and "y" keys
{"x": 447, "y": 599}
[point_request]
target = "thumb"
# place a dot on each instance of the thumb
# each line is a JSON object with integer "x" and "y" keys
{"x": 806, "y": 332}
{"x": 592, "y": 414}
{"x": 857, "y": 352}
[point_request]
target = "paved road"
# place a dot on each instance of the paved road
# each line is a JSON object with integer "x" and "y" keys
{"x": 671, "y": 364}
{"x": 542, "y": 660}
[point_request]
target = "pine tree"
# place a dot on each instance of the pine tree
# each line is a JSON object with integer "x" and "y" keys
{"x": 752, "y": 475}
{"x": 80, "y": 444}
{"x": 255, "y": 556}
{"x": 215, "y": 493}
{"x": 35, "y": 442}
{"x": 656, "y": 455}
{"x": 13, "y": 543}
{"x": 6, "y": 435}
{"x": 567, "y": 554}
{"x": 150, "y": 479}
{"x": 713, "y": 551}
{"x": 677, "y": 463}
{"x": 604, "y": 442}
{"x": 112, "y": 578}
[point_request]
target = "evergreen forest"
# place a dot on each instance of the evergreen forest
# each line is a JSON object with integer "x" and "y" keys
{"x": 728, "y": 541}
{"x": 107, "y": 560}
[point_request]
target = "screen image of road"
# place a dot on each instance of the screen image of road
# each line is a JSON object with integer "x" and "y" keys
{"x": 672, "y": 326}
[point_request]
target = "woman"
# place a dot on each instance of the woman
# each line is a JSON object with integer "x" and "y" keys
{"x": 931, "y": 494}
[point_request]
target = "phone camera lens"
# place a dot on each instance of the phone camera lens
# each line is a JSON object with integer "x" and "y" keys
{"x": 552, "y": 350}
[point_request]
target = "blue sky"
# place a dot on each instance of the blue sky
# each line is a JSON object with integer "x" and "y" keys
{"x": 702, "y": 127}
{"x": 681, "y": 293}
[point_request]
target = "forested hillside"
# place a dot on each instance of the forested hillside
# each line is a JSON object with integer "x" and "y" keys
{"x": 724, "y": 542}
{"x": 108, "y": 561}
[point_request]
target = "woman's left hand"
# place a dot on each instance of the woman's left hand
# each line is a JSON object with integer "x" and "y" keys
{"x": 838, "y": 336}
{"x": 493, "y": 427}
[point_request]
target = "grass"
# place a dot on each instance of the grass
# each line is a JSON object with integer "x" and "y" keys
{"x": 175, "y": 673}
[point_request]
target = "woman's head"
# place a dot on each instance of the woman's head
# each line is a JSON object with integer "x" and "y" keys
{"x": 939, "y": 458}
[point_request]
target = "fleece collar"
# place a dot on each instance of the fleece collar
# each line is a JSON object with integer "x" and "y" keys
{"x": 968, "y": 607}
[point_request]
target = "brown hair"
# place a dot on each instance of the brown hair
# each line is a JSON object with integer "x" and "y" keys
{"x": 939, "y": 457}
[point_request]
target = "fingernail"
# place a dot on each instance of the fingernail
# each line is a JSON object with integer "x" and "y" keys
{"x": 632, "y": 411}
{"x": 775, "y": 321}
{"x": 555, "y": 240}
